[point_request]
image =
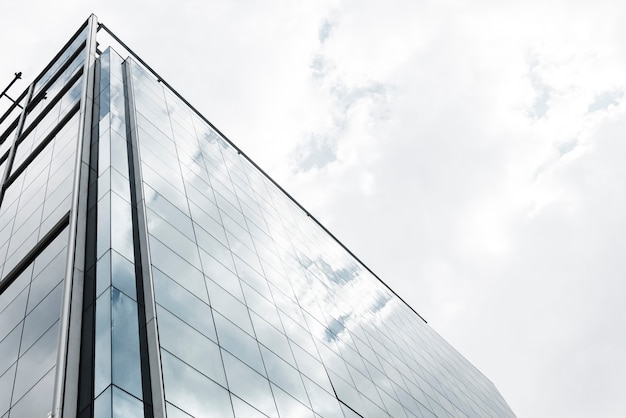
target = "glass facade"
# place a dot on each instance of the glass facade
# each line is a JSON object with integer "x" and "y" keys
{"x": 38, "y": 151}
{"x": 149, "y": 268}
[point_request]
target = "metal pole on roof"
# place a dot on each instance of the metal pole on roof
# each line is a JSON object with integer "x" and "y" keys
{"x": 17, "y": 76}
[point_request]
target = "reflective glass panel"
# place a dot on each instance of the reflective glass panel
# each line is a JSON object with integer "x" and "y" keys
{"x": 193, "y": 392}
{"x": 304, "y": 328}
{"x": 61, "y": 60}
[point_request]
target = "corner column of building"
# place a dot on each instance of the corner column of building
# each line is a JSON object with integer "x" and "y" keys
{"x": 114, "y": 369}
{"x": 68, "y": 357}
{"x": 144, "y": 272}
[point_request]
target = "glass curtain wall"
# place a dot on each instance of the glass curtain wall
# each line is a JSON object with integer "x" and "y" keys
{"x": 38, "y": 144}
{"x": 111, "y": 372}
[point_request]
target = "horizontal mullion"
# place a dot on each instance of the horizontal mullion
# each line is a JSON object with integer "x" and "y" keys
{"x": 35, "y": 152}
{"x": 44, "y": 89}
{"x": 34, "y": 252}
{"x": 49, "y": 107}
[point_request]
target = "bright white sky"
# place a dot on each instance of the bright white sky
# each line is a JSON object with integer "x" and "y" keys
{"x": 471, "y": 153}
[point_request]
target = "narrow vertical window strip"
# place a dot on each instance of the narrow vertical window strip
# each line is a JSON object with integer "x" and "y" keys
{"x": 87, "y": 353}
{"x": 150, "y": 353}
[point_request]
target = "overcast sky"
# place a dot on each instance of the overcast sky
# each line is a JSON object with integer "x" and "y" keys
{"x": 472, "y": 154}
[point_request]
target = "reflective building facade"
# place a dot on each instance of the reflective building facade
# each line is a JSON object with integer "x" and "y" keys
{"x": 149, "y": 268}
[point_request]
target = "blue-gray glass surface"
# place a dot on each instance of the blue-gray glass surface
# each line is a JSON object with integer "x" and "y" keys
{"x": 58, "y": 63}
{"x": 303, "y": 328}
{"x": 36, "y": 197}
{"x": 30, "y": 310}
{"x": 117, "y": 375}
{"x": 39, "y": 184}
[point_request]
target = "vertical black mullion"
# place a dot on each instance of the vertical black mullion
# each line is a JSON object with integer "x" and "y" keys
{"x": 141, "y": 309}
{"x": 146, "y": 384}
{"x": 152, "y": 382}
{"x": 86, "y": 379}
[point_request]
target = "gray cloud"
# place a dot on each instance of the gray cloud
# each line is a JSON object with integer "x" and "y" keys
{"x": 325, "y": 31}
{"x": 605, "y": 99}
{"x": 567, "y": 146}
{"x": 539, "y": 108}
{"x": 318, "y": 152}
{"x": 319, "y": 67}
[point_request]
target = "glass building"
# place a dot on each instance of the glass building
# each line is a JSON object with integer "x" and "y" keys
{"x": 148, "y": 268}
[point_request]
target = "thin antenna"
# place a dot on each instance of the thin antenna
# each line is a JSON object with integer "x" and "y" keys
{"x": 4, "y": 92}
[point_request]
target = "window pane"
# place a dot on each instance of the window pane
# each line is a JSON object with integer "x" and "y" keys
{"x": 238, "y": 343}
{"x": 37, "y": 361}
{"x": 38, "y": 401}
{"x": 183, "y": 304}
{"x": 42, "y": 317}
{"x": 126, "y": 362}
{"x": 249, "y": 385}
{"x": 191, "y": 391}
{"x": 126, "y": 406}
{"x": 190, "y": 346}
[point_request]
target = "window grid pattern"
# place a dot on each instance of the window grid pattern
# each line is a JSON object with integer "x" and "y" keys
{"x": 260, "y": 311}
{"x": 29, "y": 325}
{"x": 36, "y": 168}
{"x": 39, "y": 188}
{"x": 117, "y": 374}
{"x": 53, "y": 69}
{"x": 38, "y": 197}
